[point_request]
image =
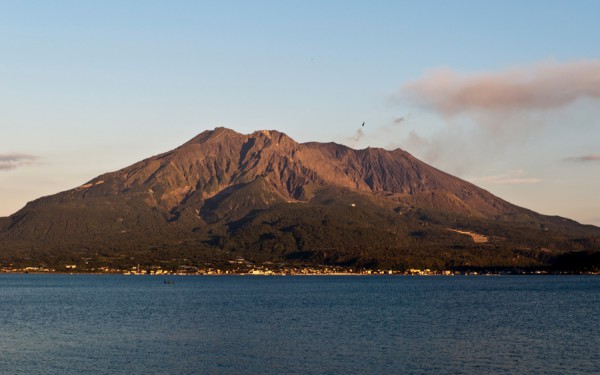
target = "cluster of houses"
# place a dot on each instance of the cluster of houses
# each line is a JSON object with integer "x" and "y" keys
{"x": 237, "y": 267}
{"x": 243, "y": 267}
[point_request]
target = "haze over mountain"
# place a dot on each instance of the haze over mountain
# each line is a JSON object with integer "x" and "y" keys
{"x": 265, "y": 197}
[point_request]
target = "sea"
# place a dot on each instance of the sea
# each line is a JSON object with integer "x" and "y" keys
{"x": 117, "y": 324}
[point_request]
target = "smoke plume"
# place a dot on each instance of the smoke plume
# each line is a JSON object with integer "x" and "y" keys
{"x": 515, "y": 177}
{"x": 486, "y": 114}
{"x": 584, "y": 158}
{"x": 538, "y": 87}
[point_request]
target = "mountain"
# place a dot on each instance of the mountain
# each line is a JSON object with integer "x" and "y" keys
{"x": 264, "y": 197}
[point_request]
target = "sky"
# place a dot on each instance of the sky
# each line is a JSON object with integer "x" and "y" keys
{"x": 503, "y": 94}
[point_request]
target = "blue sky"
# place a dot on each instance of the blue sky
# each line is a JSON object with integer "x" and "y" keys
{"x": 88, "y": 87}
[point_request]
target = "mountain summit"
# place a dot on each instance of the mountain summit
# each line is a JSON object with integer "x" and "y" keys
{"x": 265, "y": 197}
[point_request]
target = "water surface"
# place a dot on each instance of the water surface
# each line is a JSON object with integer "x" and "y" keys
{"x": 113, "y": 324}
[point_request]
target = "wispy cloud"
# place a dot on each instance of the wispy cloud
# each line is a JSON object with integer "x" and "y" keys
{"x": 541, "y": 86}
{"x": 516, "y": 177}
{"x": 584, "y": 158}
{"x": 15, "y": 160}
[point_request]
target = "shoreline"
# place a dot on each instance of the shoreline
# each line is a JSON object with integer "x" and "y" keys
{"x": 486, "y": 274}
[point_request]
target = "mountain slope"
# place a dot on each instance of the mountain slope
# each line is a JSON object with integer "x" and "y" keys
{"x": 267, "y": 197}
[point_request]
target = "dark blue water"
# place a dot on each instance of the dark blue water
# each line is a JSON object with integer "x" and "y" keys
{"x": 81, "y": 324}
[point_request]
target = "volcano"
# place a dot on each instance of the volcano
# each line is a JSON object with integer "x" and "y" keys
{"x": 266, "y": 198}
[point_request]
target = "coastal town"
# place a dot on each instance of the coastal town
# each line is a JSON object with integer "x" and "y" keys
{"x": 243, "y": 267}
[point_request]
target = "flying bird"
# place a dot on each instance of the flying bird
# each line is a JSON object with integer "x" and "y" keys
{"x": 363, "y": 123}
